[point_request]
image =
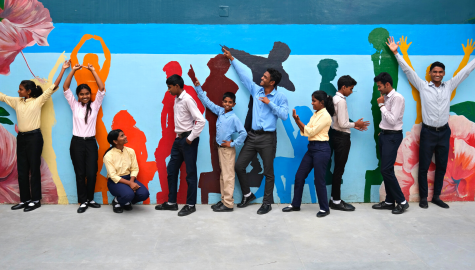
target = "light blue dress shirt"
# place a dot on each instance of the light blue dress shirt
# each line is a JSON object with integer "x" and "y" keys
{"x": 227, "y": 123}
{"x": 264, "y": 116}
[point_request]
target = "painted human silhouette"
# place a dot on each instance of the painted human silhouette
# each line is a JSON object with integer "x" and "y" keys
{"x": 137, "y": 141}
{"x": 84, "y": 76}
{"x": 258, "y": 65}
{"x": 285, "y": 168}
{"x": 383, "y": 60}
{"x": 168, "y": 137}
{"x": 404, "y": 47}
{"x": 215, "y": 86}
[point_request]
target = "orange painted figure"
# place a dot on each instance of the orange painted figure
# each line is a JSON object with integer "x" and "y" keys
{"x": 84, "y": 76}
{"x": 168, "y": 136}
{"x": 137, "y": 140}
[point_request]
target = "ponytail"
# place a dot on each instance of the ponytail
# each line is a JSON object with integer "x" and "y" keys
{"x": 88, "y": 108}
{"x": 111, "y": 137}
{"x": 36, "y": 90}
{"x": 327, "y": 101}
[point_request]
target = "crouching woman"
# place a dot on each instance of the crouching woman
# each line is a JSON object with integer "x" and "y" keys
{"x": 122, "y": 170}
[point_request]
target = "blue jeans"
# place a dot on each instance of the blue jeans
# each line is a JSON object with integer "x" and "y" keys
{"x": 316, "y": 158}
{"x": 125, "y": 194}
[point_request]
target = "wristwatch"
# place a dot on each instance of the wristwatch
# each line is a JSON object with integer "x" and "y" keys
{"x": 380, "y": 104}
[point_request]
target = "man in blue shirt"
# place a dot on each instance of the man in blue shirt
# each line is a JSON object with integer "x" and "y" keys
{"x": 267, "y": 107}
{"x": 227, "y": 124}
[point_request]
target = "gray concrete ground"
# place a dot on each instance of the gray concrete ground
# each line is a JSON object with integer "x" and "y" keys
{"x": 56, "y": 237}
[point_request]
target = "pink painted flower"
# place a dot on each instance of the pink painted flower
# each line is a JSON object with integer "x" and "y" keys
{"x": 24, "y": 23}
{"x": 459, "y": 180}
{"x": 9, "y": 192}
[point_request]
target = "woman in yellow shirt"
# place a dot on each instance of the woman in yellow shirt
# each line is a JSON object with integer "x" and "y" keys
{"x": 318, "y": 152}
{"x": 122, "y": 170}
{"x": 29, "y": 139}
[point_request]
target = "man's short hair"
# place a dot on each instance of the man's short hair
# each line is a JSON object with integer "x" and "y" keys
{"x": 347, "y": 81}
{"x": 230, "y": 95}
{"x": 384, "y": 78}
{"x": 175, "y": 79}
{"x": 274, "y": 76}
{"x": 437, "y": 64}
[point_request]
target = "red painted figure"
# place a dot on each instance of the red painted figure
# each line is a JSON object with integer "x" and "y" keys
{"x": 168, "y": 136}
{"x": 137, "y": 140}
{"x": 215, "y": 86}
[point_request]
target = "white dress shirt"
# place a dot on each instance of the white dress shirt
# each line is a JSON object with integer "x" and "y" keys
{"x": 341, "y": 120}
{"x": 80, "y": 128}
{"x": 392, "y": 111}
{"x": 187, "y": 116}
{"x": 435, "y": 101}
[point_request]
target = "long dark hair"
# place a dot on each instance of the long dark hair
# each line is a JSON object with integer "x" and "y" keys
{"x": 327, "y": 101}
{"x": 36, "y": 90}
{"x": 111, "y": 137}
{"x": 88, "y": 109}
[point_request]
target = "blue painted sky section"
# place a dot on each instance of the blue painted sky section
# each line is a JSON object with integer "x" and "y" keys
{"x": 255, "y": 39}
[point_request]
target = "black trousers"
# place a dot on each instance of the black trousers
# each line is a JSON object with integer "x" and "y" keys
{"x": 266, "y": 145}
{"x": 438, "y": 142}
{"x": 388, "y": 146}
{"x": 340, "y": 143}
{"x": 29, "y": 148}
{"x": 84, "y": 157}
{"x": 182, "y": 151}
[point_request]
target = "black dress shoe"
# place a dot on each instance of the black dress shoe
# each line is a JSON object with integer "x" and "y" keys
{"x": 20, "y": 205}
{"x": 290, "y": 208}
{"x": 383, "y": 206}
{"x": 186, "y": 210}
{"x": 222, "y": 208}
{"x": 127, "y": 207}
{"x": 246, "y": 200}
{"x": 216, "y": 205}
{"x": 166, "y": 206}
{"x": 93, "y": 205}
{"x": 264, "y": 209}
{"x": 82, "y": 209}
{"x": 439, "y": 202}
{"x": 423, "y": 203}
{"x": 323, "y": 214}
{"x": 400, "y": 208}
{"x": 342, "y": 206}
{"x": 116, "y": 207}
{"x": 29, "y": 208}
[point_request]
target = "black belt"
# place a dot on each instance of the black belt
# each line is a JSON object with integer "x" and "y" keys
{"x": 385, "y": 131}
{"x": 184, "y": 134}
{"x": 260, "y": 132}
{"x": 84, "y": 138}
{"x": 441, "y": 128}
{"x": 30, "y": 132}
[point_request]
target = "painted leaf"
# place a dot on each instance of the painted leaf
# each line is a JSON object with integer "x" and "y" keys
{"x": 3, "y": 112}
{"x": 6, "y": 121}
{"x": 466, "y": 109}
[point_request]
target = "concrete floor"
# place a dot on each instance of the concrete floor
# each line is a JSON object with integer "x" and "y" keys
{"x": 56, "y": 237}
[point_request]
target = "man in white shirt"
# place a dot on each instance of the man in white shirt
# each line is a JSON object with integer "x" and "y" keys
{"x": 435, "y": 132}
{"x": 340, "y": 139}
{"x": 391, "y": 104}
{"x": 189, "y": 122}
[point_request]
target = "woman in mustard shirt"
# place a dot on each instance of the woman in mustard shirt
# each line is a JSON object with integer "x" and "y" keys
{"x": 29, "y": 139}
{"x": 122, "y": 170}
{"x": 318, "y": 152}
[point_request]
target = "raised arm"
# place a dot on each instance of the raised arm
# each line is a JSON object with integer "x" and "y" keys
{"x": 298, "y": 122}
{"x": 47, "y": 94}
{"x": 107, "y": 63}
{"x": 100, "y": 85}
{"x": 10, "y": 101}
{"x": 74, "y": 53}
{"x": 205, "y": 100}
{"x": 410, "y": 73}
{"x": 245, "y": 79}
{"x": 67, "y": 82}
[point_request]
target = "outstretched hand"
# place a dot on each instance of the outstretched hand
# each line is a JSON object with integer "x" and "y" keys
{"x": 469, "y": 48}
{"x": 361, "y": 125}
{"x": 227, "y": 54}
{"x": 392, "y": 45}
{"x": 66, "y": 64}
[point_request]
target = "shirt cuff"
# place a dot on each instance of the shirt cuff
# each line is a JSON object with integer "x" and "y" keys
{"x": 352, "y": 125}
{"x": 233, "y": 144}
{"x": 272, "y": 105}
{"x": 134, "y": 174}
{"x": 383, "y": 109}
{"x": 116, "y": 179}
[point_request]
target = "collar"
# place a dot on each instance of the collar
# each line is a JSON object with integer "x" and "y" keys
{"x": 391, "y": 93}
{"x": 271, "y": 93}
{"x": 340, "y": 95}
{"x": 320, "y": 111}
{"x": 28, "y": 99}
{"x": 182, "y": 95}
{"x": 228, "y": 114}
{"x": 117, "y": 150}
{"x": 432, "y": 84}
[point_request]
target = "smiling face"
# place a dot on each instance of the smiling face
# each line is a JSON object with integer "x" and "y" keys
{"x": 228, "y": 104}
{"x": 437, "y": 74}
{"x": 121, "y": 140}
{"x": 265, "y": 80}
{"x": 384, "y": 88}
{"x": 317, "y": 104}
{"x": 84, "y": 96}
{"x": 174, "y": 89}
{"x": 23, "y": 93}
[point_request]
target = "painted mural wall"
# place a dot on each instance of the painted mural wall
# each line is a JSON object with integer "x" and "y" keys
{"x": 134, "y": 61}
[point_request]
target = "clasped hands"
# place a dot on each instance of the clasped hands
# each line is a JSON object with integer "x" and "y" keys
{"x": 76, "y": 67}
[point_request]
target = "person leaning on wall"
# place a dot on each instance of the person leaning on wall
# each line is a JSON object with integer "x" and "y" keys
{"x": 435, "y": 132}
{"x": 318, "y": 153}
{"x": 29, "y": 140}
{"x": 83, "y": 147}
{"x": 122, "y": 170}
